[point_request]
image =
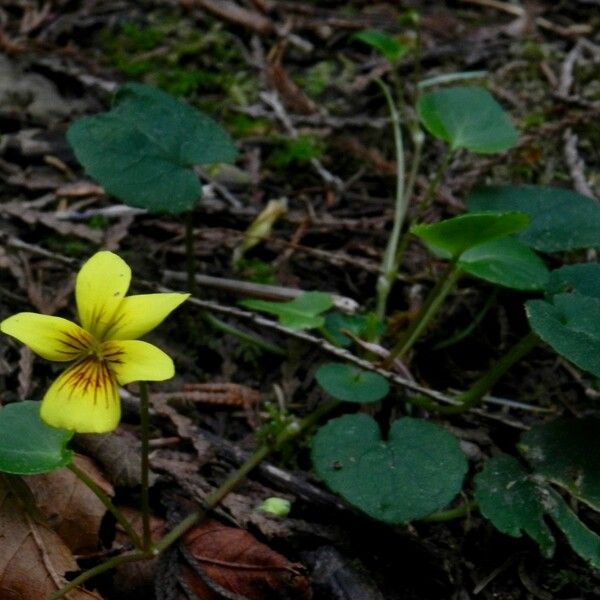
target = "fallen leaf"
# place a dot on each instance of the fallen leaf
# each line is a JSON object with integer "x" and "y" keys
{"x": 73, "y": 511}
{"x": 33, "y": 558}
{"x": 236, "y": 561}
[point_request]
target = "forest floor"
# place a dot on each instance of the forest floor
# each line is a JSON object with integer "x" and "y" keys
{"x": 298, "y": 96}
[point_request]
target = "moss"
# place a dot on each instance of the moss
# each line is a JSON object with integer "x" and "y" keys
{"x": 298, "y": 150}
{"x": 204, "y": 66}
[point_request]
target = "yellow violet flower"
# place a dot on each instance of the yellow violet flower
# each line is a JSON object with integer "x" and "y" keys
{"x": 105, "y": 351}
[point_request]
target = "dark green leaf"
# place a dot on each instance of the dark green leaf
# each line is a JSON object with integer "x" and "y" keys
{"x": 467, "y": 117}
{"x": 27, "y": 445}
{"x": 351, "y": 384}
{"x": 417, "y": 471}
{"x": 304, "y": 312}
{"x": 561, "y": 220}
{"x": 452, "y": 237}
{"x": 506, "y": 262}
{"x": 583, "y": 278}
{"x": 566, "y": 451}
{"x": 512, "y": 501}
{"x": 143, "y": 150}
{"x": 584, "y": 542}
{"x": 571, "y": 325}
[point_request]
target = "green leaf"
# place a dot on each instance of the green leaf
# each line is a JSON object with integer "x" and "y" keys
{"x": 571, "y": 325}
{"x": 452, "y": 237}
{"x": 388, "y": 46}
{"x": 566, "y": 451}
{"x": 512, "y": 501}
{"x": 304, "y": 312}
{"x": 467, "y": 117}
{"x": 584, "y": 542}
{"x": 27, "y": 445}
{"x": 506, "y": 262}
{"x": 365, "y": 326}
{"x": 351, "y": 384}
{"x": 583, "y": 279}
{"x": 417, "y": 471}
{"x": 144, "y": 149}
{"x": 561, "y": 220}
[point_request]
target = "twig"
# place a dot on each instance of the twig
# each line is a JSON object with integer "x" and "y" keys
{"x": 576, "y": 164}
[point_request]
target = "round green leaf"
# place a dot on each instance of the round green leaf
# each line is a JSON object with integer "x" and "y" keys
{"x": 467, "y": 117}
{"x": 27, "y": 445}
{"x": 512, "y": 501}
{"x": 583, "y": 279}
{"x": 452, "y": 237}
{"x": 417, "y": 471}
{"x": 506, "y": 262}
{"x": 561, "y": 220}
{"x": 571, "y": 325}
{"x": 351, "y": 384}
{"x": 566, "y": 451}
{"x": 143, "y": 150}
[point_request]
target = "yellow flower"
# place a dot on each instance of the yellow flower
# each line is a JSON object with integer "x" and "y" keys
{"x": 105, "y": 351}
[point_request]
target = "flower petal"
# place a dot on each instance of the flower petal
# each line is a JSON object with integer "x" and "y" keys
{"x": 84, "y": 398}
{"x": 134, "y": 360}
{"x": 137, "y": 315}
{"x": 101, "y": 286}
{"x": 53, "y": 338}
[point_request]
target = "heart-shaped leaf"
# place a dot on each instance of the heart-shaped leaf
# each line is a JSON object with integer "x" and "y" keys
{"x": 566, "y": 451}
{"x": 516, "y": 501}
{"x": 582, "y": 539}
{"x": 583, "y": 279}
{"x": 571, "y": 325}
{"x": 388, "y": 46}
{"x": 144, "y": 149}
{"x": 303, "y": 312}
{"x": 351, "y": 384}
{"x": 512, "y": 501}
{"x": 418, "y": 470}
{"x": 561, "y": 220}
{"x": 27, "y": 445}
{"x": 506, "y": 262}
{"x": 452, "y": 237}
{"x": 365, "y": 326}
{"x": 467, "y": 117}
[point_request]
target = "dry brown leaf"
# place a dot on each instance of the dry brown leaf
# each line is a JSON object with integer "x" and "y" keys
{"x": 33, "y": 559}
{"x": 72, "y": 509}
{"x": 25, "y": 371}
{"x": 235, "y": 560}
{"x": 230, "y": 11}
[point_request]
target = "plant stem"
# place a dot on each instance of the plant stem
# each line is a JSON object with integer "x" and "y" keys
{"x": 105, "y": 499}
{"x": 433, "y": 185}
{"x": 293, "y": 430}
{"x": 483, "y": 385}
{"x": 388, "y": 271}
{"x": 190, "y": 255}
{"x": 432, "y": 304}
{"x": 145, "y": 435}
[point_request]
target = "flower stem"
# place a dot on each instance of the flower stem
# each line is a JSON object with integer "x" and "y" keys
{"x": 105, "y": 499}
{"x": 145, "y": 435}
{"x": 388, "y": 270}
{"x": 473, "y": 396}
{"x": 292, "y": 431}
{"x": 432, "y": 304}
